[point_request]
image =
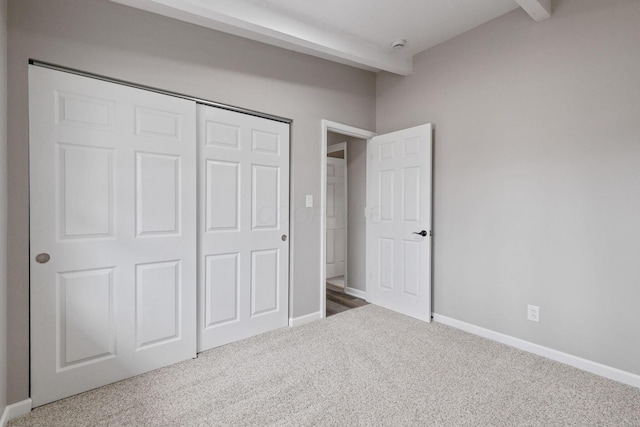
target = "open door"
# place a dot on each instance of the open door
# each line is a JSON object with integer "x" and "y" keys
{"x": 399, "y": 221}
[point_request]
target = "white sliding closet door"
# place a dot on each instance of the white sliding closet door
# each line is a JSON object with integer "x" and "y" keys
{"x": 243, "y": 226}
{"x": 113, "y": 232}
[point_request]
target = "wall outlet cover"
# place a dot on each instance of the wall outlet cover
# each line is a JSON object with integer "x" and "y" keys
{"x": 533, "y": 313}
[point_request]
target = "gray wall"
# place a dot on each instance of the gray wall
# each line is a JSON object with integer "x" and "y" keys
{"x": 117, "y": 41}
{"x": 356, "y": 200}
{"x": 537, "y": 174}
{"x": 3, "y": 205}
{"x": 536, "y": 161}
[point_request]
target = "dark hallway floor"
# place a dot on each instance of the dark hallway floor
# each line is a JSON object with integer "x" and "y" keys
{"x": 338, "y": 301}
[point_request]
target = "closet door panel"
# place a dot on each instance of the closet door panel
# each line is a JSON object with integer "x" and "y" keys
{"x": 243, "y": 229}
{"x": 113, "y": 232}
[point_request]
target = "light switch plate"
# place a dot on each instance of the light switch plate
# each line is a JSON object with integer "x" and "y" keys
{"x": 309, "y": 201}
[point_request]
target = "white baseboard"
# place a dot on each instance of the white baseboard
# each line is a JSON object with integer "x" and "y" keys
{"x": 303, "y": 320}
{"x": 568, "y": 359}
{"x": 356, "y": 293}
{"x": 15, "y": 410}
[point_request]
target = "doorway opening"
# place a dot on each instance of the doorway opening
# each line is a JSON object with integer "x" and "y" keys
{"x": 395, "y": 217}
{"x": 343, "y": 197}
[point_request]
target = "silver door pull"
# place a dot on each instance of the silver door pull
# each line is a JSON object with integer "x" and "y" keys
{"x": 284, "y": 237}
{"x": 43, "y": 258}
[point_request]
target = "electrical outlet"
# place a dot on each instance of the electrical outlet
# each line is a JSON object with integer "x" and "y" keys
{"x": 533, "y": 313}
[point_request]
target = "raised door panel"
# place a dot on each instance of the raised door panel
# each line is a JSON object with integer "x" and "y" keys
{"x": 222, "y": 288}
{"x": 222, "y": 193}
{"x": 86, "y": 317}
{"x": 339, "y": 247}
{"x": 411, "y": 267}
{"x": 386, "y": 196}
{"x": 411, "y": 195}
{"x": 265, "y": 268}
{"x": 387, "y": 151}
{"x": 332, "y": 191}
{"x": 86, "y": 190}
{"x": 341, "y": 197}
{"x": 411, "y": 146}
{"x": 331, "y": 201}
{"x": 157, "y": 194}
{"x": 222, "y": 135}
{"x": 331, "y": 247}
{"x": 385, "y": 264}
{"x": 157, "y": 123}
{"x": 84, "y": 111}
{"x": 265, "y": 197}
{"x": 157, "y": 303}
{"x": 265, "y": 142}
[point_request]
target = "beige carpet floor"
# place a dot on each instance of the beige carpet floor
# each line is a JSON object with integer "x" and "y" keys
{"x": 364, "y": 367}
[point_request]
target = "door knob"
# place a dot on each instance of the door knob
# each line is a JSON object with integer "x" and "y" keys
{"x": 423, "y": 233}
{"x": 43, "y": 258}
{"x": 284, "y": 237}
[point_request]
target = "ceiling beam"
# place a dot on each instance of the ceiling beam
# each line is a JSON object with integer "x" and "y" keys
{"x": 538, "y": 10}
{"x": 266, "y": 26}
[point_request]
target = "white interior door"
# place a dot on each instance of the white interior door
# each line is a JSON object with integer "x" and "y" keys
{"x": 112, "y": 179}
{"x": 243, "y": 226}
{"x": 336, "y": 216}
{"x": 399, "y": 206}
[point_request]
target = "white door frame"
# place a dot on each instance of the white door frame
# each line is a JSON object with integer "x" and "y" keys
{"x": 341, "y": 129}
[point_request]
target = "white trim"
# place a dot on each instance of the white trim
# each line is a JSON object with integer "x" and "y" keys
{"x": 341, "y": 146}
{"x": 568, "y": 359}
{"x": 15, "y": 410}
{"x": 343, "y": 129}
{"x": 303, "y": 320}
{"x": 356, "y": 293}
{"x": 326, "y": 126}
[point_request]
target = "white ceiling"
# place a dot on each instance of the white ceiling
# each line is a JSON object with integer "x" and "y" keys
{"x": 423, "y": 23}
{"x": 354, "y": 32}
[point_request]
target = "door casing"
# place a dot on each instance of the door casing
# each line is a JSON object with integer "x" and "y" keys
{"x": 342, "y": 129}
